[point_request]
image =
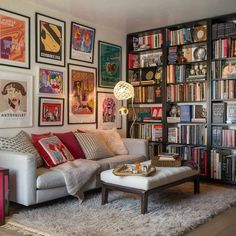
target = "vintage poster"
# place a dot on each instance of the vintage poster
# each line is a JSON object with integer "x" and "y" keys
{"x": 109, "y": 64}
{"x": 51, "y": 81}
{"x": 51, "y": 111}
{"x": 15, "y": 100}
{"x": 14, "y": 39}
{"x": 108, "y": 116}
{"x": 82, "y": 42}
{"x": 82, "y": 100}
{"x": 50, "y": 40}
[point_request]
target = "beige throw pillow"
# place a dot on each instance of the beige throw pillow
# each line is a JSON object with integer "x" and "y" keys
{"x": 94, "y": 147}
{"x": 114, "y": 141}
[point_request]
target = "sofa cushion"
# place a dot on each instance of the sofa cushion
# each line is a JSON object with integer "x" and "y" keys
{"x": 93, "y": 145}
{"x": 53, "y": 151}
{"x": 112, "y": 162}
{"x": 72, "y": 144}
{"x": 20, "y": 143}
{"x": 114, "y": 141}
{"x": 48, "y": 178}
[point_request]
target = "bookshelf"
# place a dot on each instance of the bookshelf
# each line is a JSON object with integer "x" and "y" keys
{"x": 193, "y": 67}
{"x": 145, "y": 71}
{"x": 223, "y": 99}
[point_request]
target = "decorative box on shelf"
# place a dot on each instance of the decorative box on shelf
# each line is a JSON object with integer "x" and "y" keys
{"x": 166, "y": 160}
{"x": 4, "y": 194}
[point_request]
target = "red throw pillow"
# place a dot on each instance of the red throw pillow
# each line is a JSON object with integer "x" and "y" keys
{"x": 72, "y": 144}
{"x": 53, "y": 151}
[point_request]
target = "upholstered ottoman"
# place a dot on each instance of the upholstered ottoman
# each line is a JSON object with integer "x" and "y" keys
{"x": 164, "y": 177}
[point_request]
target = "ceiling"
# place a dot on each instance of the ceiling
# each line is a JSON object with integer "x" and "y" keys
{"x": 135, "y": 15}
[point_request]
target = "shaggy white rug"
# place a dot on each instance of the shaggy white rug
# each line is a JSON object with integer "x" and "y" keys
{"x": 171, "y": 212}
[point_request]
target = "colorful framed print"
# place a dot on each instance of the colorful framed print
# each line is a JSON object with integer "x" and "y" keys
{"x": 50, "y": 81}
{"x": 50, "y": 40}
{"x": 108, "y": 116}
{"x": 81, "y": 94}
{"x": 109, "y": 63}
{"x": 82, "y": 42}
{"x": 15, "y": 100}
{"x": 14, "y": 39}
{"x": 51, "y": 111}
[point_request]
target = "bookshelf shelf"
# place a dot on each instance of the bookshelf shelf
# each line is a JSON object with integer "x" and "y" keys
{"x": 205, "y": 47}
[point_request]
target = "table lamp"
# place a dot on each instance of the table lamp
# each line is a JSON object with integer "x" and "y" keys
{"x": 125, "y": 91}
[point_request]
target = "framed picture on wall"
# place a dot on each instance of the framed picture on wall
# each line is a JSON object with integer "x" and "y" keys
{"x": 14, "y": 39}
{"x": 108, "y": 116}
{"x": 51, "y": 111}
{"x": 15, "y": 100}
{"x": 50, "y": 40}
{"x": 82, "y": 42}
{"x": 81, "y": 94}
{"x": 50, "y": 81}
{"x": 109, "y": 64}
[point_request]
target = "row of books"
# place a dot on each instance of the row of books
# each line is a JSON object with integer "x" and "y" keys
{"x": 146, "y": 114}
{"x": 150, "y": 132}
{"x": 223, "y": 48}
{"x": 183, "y": 36}
{"x": 223, "y": 29}
{"x": 144, "y": 60}
{"x": 148, "y": 41}
{"x": 223, "y": 165}
{"x": 223, "y": 137}
{"x": 190, "y": 92}
{"x": 196, "y": 154}
{"x": 186, "y": 73}
{"x": 147, "y": 94}
{"x": 224, "y": 112}
{"x": 223, "y": 89}
{"x": 188, "y": 134}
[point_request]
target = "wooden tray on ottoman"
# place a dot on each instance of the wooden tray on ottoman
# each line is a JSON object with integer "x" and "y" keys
{"x": 165, "y": 163}
{"x": 124, "y": 170}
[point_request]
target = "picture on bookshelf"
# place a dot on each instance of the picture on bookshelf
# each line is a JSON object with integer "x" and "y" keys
{"x": 228, "y": 69}
{"x": 231, "y": 113}
{"x": 218, "y": 112}
{"x": 134, "y": 77}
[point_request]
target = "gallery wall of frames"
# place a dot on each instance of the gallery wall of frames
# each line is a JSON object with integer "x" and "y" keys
{"x": 57, "y": 72}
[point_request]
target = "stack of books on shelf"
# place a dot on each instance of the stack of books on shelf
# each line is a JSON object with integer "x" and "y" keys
{"x": 188, "y": 134}
{"x": 196, "y": 154}
{"x": 150, "y": 132}
{"x": 225, "y": 29}
{"x": 223, "y": 165}
{"x": 175, "y": 74}
{"x": 223, "y": 89}
{"x": 147, "y": 41}
{"x": 223, "y": 48}
{"x": 224, "y": 112}
{"x": 180, "y": 36}
{"x": 223, "y": 137}
{"x": 147, "y": 94}
{"x": 190, "y": 92}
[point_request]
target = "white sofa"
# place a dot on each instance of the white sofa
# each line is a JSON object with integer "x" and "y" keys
{"x": 30, "y": 185}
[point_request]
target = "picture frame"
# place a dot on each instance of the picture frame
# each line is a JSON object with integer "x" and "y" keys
{"x": 51, "y": 111}
{"x": 108, "y": 116}
{"x": 16, "y": 100}
{"x": 81, "y": 94}
{"x": 109, "y": 64}
{"x": 15, "y": 39}
{"x": 50, "y": 81}
{"x": 82, "y": 40}
{"x": 50, "y": 40}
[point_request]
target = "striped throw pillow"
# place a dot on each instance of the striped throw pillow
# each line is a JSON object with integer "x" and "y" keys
{"x": 93, "y": 145}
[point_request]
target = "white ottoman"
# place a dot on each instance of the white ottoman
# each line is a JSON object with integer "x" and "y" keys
{"x": 163, "y": 178}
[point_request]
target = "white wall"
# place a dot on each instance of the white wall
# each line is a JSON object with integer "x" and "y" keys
{"x": 102, "y": 33}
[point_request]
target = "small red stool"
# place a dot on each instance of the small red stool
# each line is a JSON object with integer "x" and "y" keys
{"x": 4, "y": 194}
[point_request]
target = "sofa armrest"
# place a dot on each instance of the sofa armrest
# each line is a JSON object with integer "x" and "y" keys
{"x": 136, "y": 146}
{"x": 22, "y": 168}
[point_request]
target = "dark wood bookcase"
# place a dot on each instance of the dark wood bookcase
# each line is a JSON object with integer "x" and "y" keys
{"x": 189, "y": 62}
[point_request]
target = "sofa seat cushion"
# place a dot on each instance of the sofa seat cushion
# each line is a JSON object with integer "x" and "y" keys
{"x": 112, "y": 162}
{"x": 48, "y": 178}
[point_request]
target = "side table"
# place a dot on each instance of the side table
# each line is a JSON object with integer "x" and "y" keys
{"x": 4, "y": 194}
